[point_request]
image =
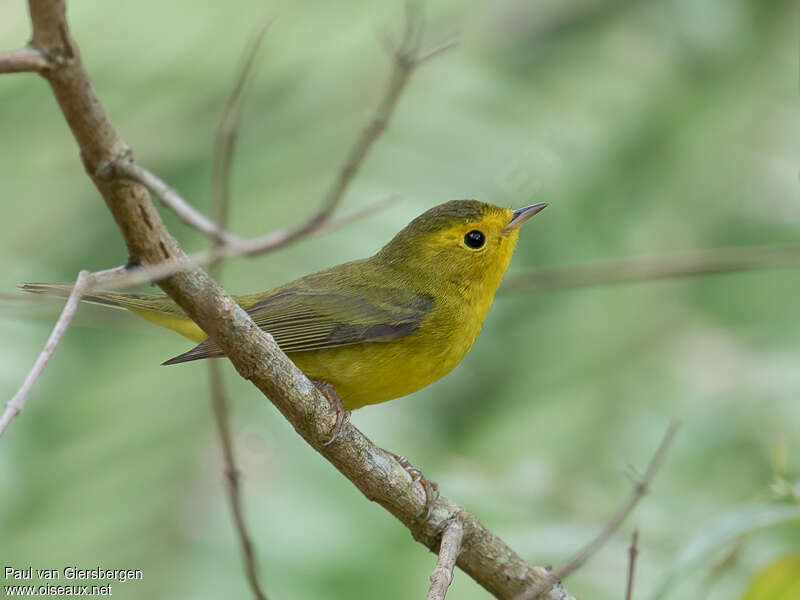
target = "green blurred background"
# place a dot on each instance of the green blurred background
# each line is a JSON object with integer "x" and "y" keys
{"x": 649, "y": 127}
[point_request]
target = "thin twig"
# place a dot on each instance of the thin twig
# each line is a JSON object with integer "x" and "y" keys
{"x": 442, "y": 574}
{"x": 406, "y": 59}
{"x": 704, "y": 262}
{"x": 130, "y": 275}
{"x": 228, "y": 130}
{"x": 633, "y": 552}
{"x": 434, "y": 52}
{"x": 224, "y": 148}
{"x": 220, "y": 404}
{"x": 127, "y": 169}
{"x": 17, "y": 403}
{"x": 24, "y": 60}
{"x": 270, "y": 242}
{"x": 585, "y": 553}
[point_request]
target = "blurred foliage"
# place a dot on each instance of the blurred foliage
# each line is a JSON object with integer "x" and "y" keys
{"x": 650, "y": 127}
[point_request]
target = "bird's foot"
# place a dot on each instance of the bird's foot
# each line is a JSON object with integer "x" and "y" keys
{"x": 431, "y": 487}
{"x": 342, "y": 414}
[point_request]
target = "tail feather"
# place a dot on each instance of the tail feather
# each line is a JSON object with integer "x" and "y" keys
{"x": 148, "y": 302}
{"x": 206, "y": 349}
{"x": 158, "y": 309}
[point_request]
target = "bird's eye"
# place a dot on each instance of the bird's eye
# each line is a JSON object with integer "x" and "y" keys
{"x": 475, "y": 239}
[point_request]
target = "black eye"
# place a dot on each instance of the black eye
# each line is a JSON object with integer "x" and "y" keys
{"x": 475, "y": 239}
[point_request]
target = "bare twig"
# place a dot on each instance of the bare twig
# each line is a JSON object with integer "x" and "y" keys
{"x": 256, "y": 356}
{"x": 130, "y": 275}
{"x": 272, "y": 241}
{"x": 17, "y": 403}
{"x": 24, "y": 60}
{"x": 220, "y": 404}
{"x": 633, "y": 552}
{"x": 442, "y": 574}
{"x": 220, "y": 203}
{"x": 434, "y": 52}
{"x": 585, "y": 553}
{"x": 705, "y": 262}
{"x": 406, "y": 59}
{"x": 228, "y": 130}
{"x": 125, "y": 168}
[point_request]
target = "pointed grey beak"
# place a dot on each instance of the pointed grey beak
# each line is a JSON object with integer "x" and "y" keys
{"x": 520, "y": 215}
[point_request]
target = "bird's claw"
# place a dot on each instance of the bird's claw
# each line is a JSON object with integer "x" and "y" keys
{"x": 431, "y": 487}
{"x": 342, "y": 414}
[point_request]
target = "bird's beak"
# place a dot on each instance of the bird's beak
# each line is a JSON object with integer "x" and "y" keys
{"x": 520, "y": 215}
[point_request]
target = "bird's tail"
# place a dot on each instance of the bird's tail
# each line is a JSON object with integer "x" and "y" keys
{"x": 157, "y": 308}
{"x": 148, "y": 302}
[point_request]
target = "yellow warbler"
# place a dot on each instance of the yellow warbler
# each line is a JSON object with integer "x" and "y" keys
{"x": 379, "y": 328}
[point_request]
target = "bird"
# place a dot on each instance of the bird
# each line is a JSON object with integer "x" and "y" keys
{"x": 375, "y": 329}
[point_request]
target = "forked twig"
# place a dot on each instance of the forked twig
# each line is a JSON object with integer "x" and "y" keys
{"x": 130, "y": 275}
{"x": 406, "y": 58}
{"x": 585, "y": 553}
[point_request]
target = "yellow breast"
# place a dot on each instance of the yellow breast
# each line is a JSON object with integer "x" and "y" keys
{"x": 379, "y": 371}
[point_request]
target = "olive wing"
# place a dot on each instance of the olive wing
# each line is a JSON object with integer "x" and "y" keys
{"x": 301, "y": 319}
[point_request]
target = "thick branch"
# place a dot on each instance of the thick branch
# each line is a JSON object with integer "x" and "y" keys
{"x": 17, "y": 403}
{"x": 24, "y": 60}
{"x": 442, "y": 574}
{"x": 254, "y": 353}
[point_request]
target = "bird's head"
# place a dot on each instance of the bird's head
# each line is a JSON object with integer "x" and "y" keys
{"x": 464, "y": 242}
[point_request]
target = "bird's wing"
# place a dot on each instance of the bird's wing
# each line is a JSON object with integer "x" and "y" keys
{"x": 300, "y": 318}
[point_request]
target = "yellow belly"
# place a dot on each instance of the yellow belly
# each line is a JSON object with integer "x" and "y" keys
{"x": 369, "y": 373}
{"x": 375, "y": 372}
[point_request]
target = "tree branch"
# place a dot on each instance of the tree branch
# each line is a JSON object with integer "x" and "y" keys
{"x": 704, "y": 262}
{"x": 17, "y": 403}
{"x": 590, "y": 549}
{"x": 406, "y": 59}
{"x": 442, "y": 574}
{"x": 127, "y": 169}
{"x": 227, "y": 134}
{"x": 127, "y": 277}
{"x": 24, "y": 60}
{"x": 254, "y": 353}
